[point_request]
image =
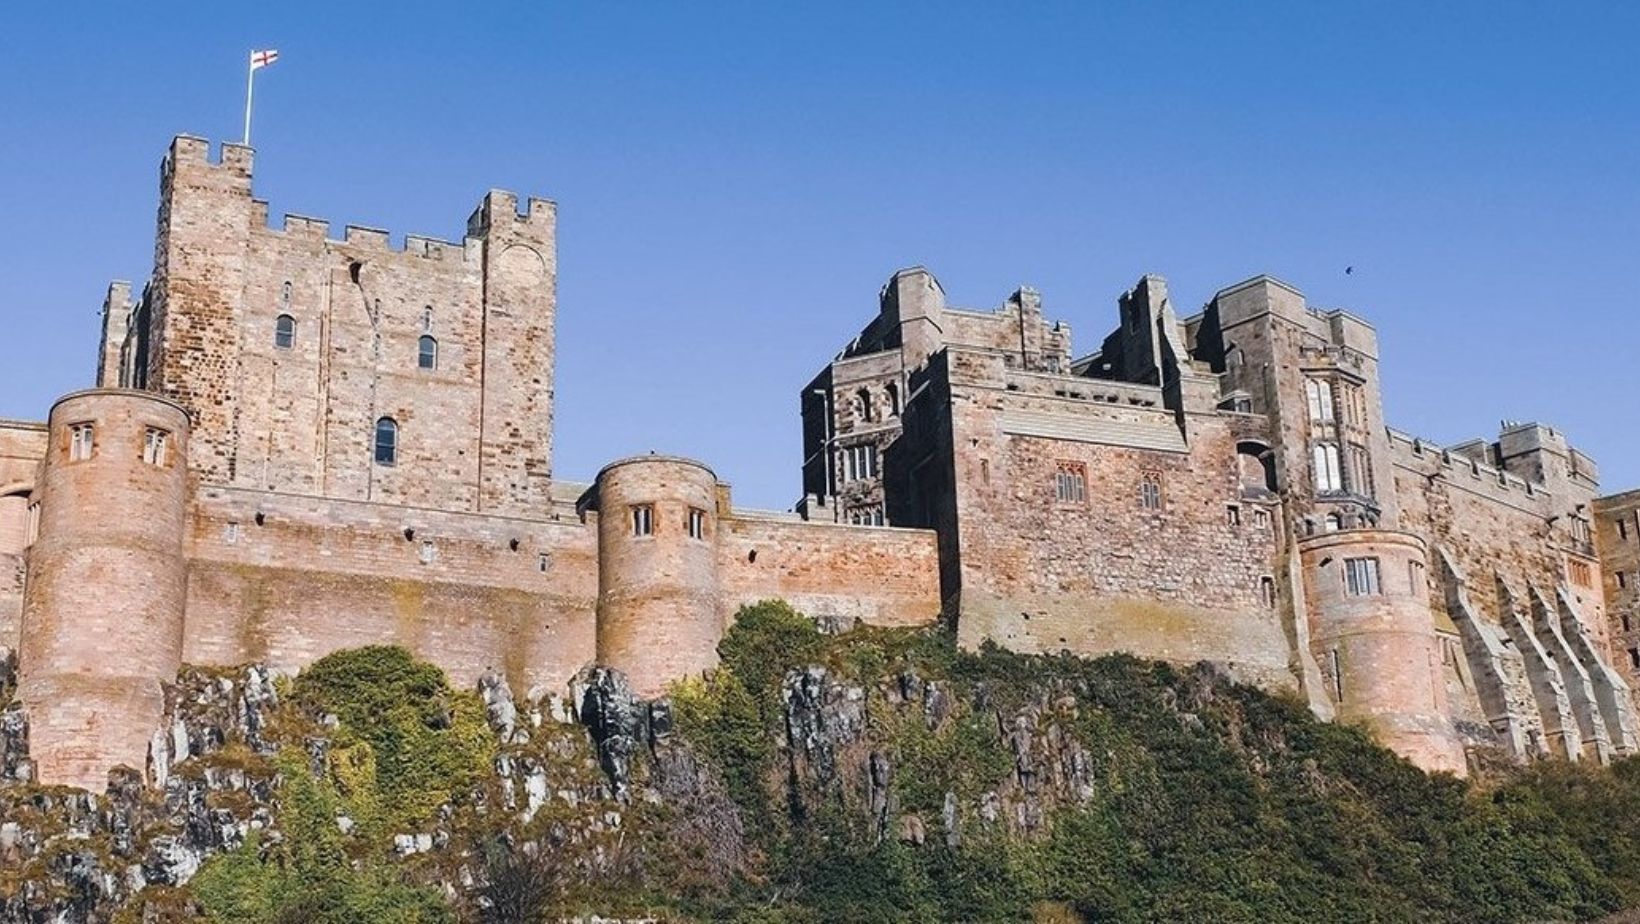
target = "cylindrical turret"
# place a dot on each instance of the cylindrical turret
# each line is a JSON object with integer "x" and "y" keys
{"x": 1373, "y": 637}
{"x": 657, "y": 570}
{"x": 103, "y": 600}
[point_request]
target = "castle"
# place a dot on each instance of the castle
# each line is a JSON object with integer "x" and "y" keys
{"x": 299, "y": 443}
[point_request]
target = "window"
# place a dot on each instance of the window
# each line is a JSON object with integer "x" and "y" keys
{"x": 31, "y": 532}
{"x": 1580, "y": 529}
{"x": 387, "y": 441}
{"x": 1622, "y": 580}
{"x": 871, "y": 515}
{"x": 1318, "y": 394}
{"x": 1267, "y": 591}
{"x": 154, "y": 446}
{"x": 1070, "y": 483}
{"x": 1415, "y": 577}
{"x": 1150, "y": 491}
{"x": 426, "y": 353}
{"x": 1361, "y": 577}
{"x": 695, "y": 523}
{"x": 230, "y": 533}
{"x": 859, "y": 462}
{"x": 1580, "y": 573}
{"x": 1634, "y": 658}
{"x": 427, "y": 320}
{"x": 862, "y": 404}
{"x": 429, "y": 552}
{"x": 1261, "y": 519}
{"x": 81, "y": 440}
{"x": 893, "y": 390}
{"x": 643, "y": 520}
{"x": 542, "y": 562}
{"x": 1327, "y": 476}
{"x": 1232, "y": 515}
{"x": 1337, "y": 665}
{"x": 284, "y": 295}
{"x": 284, "y": 332}
{"x": 1622, "y": 529}
{"x": 1360, "y": 470}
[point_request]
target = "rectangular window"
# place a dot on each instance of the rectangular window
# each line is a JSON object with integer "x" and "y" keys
{"x": 230, "y": 533}
{"x": 1415, "y": 577}
{"x": 1318, "y": 394}
{"x": 643, "y": 520}
{"x": 1261, "y": 519}
{"x": 1361, "y": 577}
{"x": 1360, "y": 470}
{"x": 81, "y": 439}
{"x": 1150, "y": 491}
{"x": 429, "y": 552}
{"x": 32, "y": 530}
{"x": 1070, "y": 484}
{"x": 1634, "y": 658}
{"x": 1622, "y": 529}
{"x": 695, "y": 525}
{"x": 1267, "y": 591}
{"x": 1232, "y": 515}
{"x": 1328, "y": 478}
{"x": 859, "y": 463}
{"x": 1580, "y": 529}
{"x": 542, "y": 562}
{"x": 1580, "y": 573}
{"x": 154, "y": 445}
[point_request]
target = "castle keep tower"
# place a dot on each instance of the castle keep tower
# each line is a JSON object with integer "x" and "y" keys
{"x": 103, "y": 605}
{"x": 658, "y": 613}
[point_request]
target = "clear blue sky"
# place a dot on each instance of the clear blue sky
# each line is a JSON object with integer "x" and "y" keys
{"x": 737, "y": 180}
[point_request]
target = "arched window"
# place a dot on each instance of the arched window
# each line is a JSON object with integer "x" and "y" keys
{"x": 863, "y": 403}
{"x": 427, "y": 353}
{"x": 427, "y": 320}
{"x": 284, "y": 332}
{"x": 387, "y": 441}
{"x": 893, "y": 399}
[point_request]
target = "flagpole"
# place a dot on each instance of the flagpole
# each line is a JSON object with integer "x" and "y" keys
{"x": 250, "y": 86}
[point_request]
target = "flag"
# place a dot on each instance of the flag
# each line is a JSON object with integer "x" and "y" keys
{"x": 263, "y": 58}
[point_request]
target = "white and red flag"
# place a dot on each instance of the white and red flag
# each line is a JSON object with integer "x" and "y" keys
{"x": 259, "y": 60}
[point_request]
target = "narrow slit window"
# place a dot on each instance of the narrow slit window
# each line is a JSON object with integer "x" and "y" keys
{"x": 1267, "y": 591}
{"x": 387, "y": 441}
{"x": 284, "y": 332}
{"x": 82, "y": 439}
{"x": 695, "y": 525}
{"x": 427, "y": 353}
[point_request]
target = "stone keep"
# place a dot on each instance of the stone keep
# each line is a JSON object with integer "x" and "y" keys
{"x": 302, "y": 442}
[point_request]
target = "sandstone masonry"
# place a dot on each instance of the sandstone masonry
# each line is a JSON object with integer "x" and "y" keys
{"x": 299, "y": 443}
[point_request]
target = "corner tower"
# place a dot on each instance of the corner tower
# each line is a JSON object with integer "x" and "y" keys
{"x": 103, "y": 606}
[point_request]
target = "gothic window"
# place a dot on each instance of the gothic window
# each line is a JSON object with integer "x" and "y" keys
{"x": 81, "y": 440}
{"x": 862, "y": 403}
{"x": 387, "y": 441}
{"x": 1318, "y": 394}
{"x": 893, "y": 391}
{"x": 284, "y": 332}
{"x": 1328, "y": 478}
{"x": 1070, "y": 483}
{"x": 866, "y": 516}
{"x": 154, "y": 446}
{"x": 643, "y": 519}
{"x": 1332, "y": 523}
{"x": 695, "y": 524}
{"x": 426, "y": 353}
{"x": 1150, "y": 491}
{"x": 1361, "y": 577}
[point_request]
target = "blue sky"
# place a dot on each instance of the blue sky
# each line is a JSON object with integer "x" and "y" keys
{"x": 736, "y": 181}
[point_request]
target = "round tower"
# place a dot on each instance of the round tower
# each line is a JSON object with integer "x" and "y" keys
{"x": 1374, "y": 639}
{"x": 103, "y": 599}
{"x": 658, "y": 616}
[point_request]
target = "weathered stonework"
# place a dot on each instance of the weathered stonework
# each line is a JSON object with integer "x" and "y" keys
{"x": 356, "y": 447}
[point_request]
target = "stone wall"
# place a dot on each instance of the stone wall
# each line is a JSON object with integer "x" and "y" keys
{"x": 22, "y": 447}
{"x": 1617, "y": 537}
{"x": 286, "y": 579}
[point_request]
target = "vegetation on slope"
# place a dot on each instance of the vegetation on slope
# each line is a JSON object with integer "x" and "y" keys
{"x": 1143, "y": 793}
